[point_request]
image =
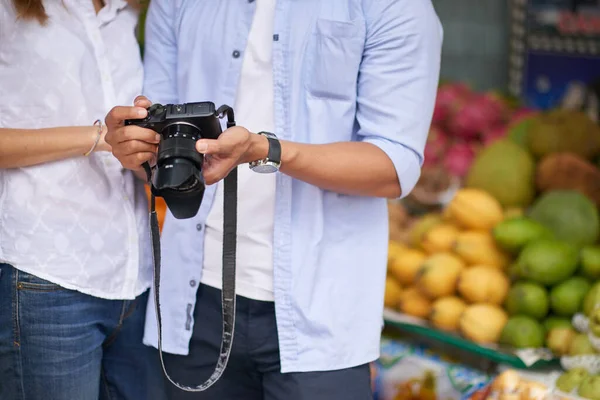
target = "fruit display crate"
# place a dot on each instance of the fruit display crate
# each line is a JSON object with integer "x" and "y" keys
{"x": 530, "y": 359}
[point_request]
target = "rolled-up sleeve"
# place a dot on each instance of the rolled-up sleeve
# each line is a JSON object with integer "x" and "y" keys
{"x": 398, "y": 80}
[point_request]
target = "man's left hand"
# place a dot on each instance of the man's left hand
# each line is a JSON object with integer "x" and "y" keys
{"x": 235, "y": 146}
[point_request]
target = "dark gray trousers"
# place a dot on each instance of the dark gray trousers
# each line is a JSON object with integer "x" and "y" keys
{"x": 253, "y": 371}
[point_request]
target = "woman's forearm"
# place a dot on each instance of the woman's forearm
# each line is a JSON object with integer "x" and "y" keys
{"x": 27, "y": 147}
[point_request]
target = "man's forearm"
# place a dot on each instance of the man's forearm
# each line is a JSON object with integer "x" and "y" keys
{"x": 354, "y": 168}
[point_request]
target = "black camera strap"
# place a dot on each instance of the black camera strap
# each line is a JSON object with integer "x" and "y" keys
{"x": 229, "y": 259}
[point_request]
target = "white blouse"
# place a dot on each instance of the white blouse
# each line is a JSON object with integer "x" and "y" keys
{"x": 81, "y": 223}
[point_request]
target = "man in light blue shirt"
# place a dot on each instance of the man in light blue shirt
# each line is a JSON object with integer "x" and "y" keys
{"x": 346, "y": 89}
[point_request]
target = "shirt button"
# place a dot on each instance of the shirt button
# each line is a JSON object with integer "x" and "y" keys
{"x": 192, "y": 283}
{"x": 236, "y": 54}
{"x": 199, "y": 227}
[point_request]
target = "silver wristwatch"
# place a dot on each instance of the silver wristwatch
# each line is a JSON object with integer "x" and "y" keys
{"x": 273, "y": 161}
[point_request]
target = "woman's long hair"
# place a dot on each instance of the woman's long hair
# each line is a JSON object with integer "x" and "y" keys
{"x": 31, "y": 10}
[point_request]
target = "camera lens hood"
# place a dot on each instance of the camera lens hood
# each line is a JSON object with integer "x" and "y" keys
{"x": 180, "y": 183}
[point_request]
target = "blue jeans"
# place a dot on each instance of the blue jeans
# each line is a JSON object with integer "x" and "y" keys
{"x": 59, "y": 344}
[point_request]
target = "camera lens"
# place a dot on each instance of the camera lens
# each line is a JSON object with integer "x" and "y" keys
{"x": 191, "y": 183}
{"x": 179, "y": 141}
{"x": 178, "y": 177}
{"x": 182, "y": 130}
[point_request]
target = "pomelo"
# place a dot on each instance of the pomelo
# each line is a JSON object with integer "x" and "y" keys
{"x": 570, "y": 215}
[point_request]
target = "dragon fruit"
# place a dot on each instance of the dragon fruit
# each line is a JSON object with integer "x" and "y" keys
{"x": 478, "y": 115}
{"x": 459, "y": 158}
{"x": 497, "y": 107}
{"x": 495, "y": 133}
{"x": 437, "y": 143}
{"x": 449, "y": 96}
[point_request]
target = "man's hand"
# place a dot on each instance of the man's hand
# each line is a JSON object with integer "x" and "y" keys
{"x": 131, "y": 145}
{"x": 235, "y": 146}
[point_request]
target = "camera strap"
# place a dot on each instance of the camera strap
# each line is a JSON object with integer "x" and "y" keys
{"x": 229, "y": 261}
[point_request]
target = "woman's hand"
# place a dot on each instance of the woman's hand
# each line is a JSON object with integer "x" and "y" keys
{"x": 131, "y": 145}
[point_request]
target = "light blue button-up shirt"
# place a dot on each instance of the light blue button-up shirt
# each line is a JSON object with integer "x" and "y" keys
{"x": 344, "y": 70}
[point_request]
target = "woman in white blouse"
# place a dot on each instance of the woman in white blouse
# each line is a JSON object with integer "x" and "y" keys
{"x": 75, "y": 260}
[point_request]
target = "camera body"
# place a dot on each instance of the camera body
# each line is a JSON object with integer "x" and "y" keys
{"x": 201, "y": 115}
{"x": 177, "y": 176}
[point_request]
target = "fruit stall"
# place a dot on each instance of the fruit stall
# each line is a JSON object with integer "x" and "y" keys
{"x": 495, "y": 257}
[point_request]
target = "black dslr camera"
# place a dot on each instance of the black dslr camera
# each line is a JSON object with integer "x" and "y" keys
{"x": 177, "y": 176}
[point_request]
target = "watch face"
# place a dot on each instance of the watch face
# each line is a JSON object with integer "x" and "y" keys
{"x": 267, "y": 168}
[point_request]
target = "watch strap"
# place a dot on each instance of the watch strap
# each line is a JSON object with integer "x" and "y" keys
{"x": 274, "y": 154}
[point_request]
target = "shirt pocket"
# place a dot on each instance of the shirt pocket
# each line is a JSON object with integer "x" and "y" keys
{"x": 335, "y": 52}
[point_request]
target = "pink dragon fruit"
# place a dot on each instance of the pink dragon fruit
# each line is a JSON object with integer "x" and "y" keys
{"x": 498, "y": 108}
{"x": 459, "y": 158}
{"x": 475, "y": 117}
{"x": 437, "y": 143}
{"x": 495, "y": 133}
{"x": 449, "y": 96}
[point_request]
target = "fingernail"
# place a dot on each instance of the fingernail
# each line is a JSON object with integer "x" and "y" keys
{"x": 157, "y": 137}
{"x": 201, "y": 147}
{"x": 141, "y": 113}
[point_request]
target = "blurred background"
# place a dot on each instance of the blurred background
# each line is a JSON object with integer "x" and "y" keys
{"x": 475, "y": 42}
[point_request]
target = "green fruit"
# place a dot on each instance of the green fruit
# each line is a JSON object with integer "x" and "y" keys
{"x": 591, "y": 301}
{"x": 571, "y": 380}
{"x": 566, "y": 297}
{"x": 553, "y": 322}
{"x": 595, "y": 322}
{"x": 562, "y": 130}
{"x": 527, "y": 298}
{"x": 581, "y": 345}
{"x": 571, "y": 216}
{"x": 517, "y": 133}
{"x": 559, "y": 340}
{"x": 590, "y": 388}
{"x": 548, "y": 261}
{"x": 506, "y": 171}
{"x": 522, "y": 332}
{"x": 590, "y": 262}
{"x": 514, "y": 233}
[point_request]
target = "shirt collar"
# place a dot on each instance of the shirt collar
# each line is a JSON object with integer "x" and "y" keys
{"x": 110, "y": 10}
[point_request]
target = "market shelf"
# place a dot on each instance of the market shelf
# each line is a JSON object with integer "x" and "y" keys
{"x": 521, "y": 359}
